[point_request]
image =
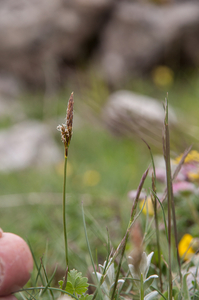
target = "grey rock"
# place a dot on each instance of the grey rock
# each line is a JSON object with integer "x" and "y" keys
{"x": 10, "y": 107}
{"x": 26, "y": 144}
{"x": 36, "y": 35}
{"x": 141, "y": 35}
{"x": 130, "y": 114}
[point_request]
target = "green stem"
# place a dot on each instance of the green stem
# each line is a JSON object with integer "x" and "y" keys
{"x": 123, "y": 243}
{"x": 154, "y": 200}
{"x": 141, "y": 287}
{"x": 158, "y": 243}
{"x": 169, "y": 190}
{"x": 64, "y": 213}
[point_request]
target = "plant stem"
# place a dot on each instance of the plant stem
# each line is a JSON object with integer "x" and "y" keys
{"x": 170, "y": 187}
{"x": 64, "y": 213}
{"x": 154, "y": 200}
{"x": 169, "y": 190}
{"x": 123, "y": 243}
{"x": 141, "y": 288}
{"x": 166, "y": 148}
{"x": 158, "y": 242}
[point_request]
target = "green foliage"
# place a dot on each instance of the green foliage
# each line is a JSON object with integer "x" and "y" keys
{"x": 119, "y": 164}
{"x": 76, "y": 284}
{"x": 86, "y": 297}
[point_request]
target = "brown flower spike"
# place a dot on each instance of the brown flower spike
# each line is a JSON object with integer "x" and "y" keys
{"x": 66, "y": 129}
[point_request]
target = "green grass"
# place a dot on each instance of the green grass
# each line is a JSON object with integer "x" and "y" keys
{"x": 37, "y": 217}
{"x": 33, "y": 206}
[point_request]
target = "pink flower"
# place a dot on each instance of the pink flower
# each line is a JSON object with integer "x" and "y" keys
{"x": 183, "y": 187}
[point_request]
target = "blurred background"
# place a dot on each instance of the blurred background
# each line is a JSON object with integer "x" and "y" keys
{"x": 120, "y": 58}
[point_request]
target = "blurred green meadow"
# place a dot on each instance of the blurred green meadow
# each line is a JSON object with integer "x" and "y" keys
{"x": 102, "y": 169}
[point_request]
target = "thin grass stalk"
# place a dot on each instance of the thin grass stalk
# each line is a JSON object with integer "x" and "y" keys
{"x": 170, "y": 178}
{"x": 166, "y": 150}
{"x": 91, "y": 257}
{"x": 66, "y": 135}
{"x": 119, "y": 268}
{"x": 50, "y": 289}
{"x": 163, "y": 212}
{"x": 177, "y": 170}
{"x": 133, "y": 212}
{"x": 26, "y": 298}
{"x": 154, "y": 200}
{"x": 47, "y": 281}
{"x": 176, "y": 237}
{"x": 36, "y": 264}
{"x": 87, "y": 241}
{"x": 123, "y": 243}
{"x": 64, "y": 214}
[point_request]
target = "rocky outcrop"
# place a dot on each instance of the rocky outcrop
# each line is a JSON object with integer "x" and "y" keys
{"x": 42, "y": 39}
{"x": 141, "y": 35}
{"x": 37, "y": 35}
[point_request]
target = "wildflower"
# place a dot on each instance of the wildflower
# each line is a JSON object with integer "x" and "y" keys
{"x": 162, "y": 76}
{"x": 183, "y": 187}
{"x": 148, "y": 206}
{"x": 193, "y": 176}
{"x": 193, "y": 156}
{"x": 185, "y": 248}
{"x": 190, "y": 169}
{"x": 91, "y": 178}
{"x": 160, "y": 175}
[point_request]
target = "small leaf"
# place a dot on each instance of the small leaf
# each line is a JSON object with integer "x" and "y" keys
{"x": 149, "y": 281}
{"x": 76, "y": 284}
{"x": 185, "y": 287}
{"x": 81, "y": 285}
{"x": 151, "y": 295}
{"x": 86, "y": 297}
{"x": 111, "y": 274}
{"x": 143, "y": 264}
{"x": 133, "y": 272}
{"x": 60, "y": 282}
{"x": 70, "y": 288}
{"x": 149, "y": 257}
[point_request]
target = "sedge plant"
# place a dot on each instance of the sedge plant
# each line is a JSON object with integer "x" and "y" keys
{"x": 66, "y": 135}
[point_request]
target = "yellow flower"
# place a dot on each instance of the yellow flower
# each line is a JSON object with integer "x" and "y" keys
{"x": 148, "y": 207}
{"x": 192, "y": 156}
{"x": 162, "y": 76}
{"x": 193, "y": 176}
{"x": 91, "y": 178}
{"x": 185, "y": 248}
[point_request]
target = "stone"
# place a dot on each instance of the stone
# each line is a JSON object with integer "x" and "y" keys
{"x": 26, "y": 144}
{"x": 142, "y": 35}
{"x": 130, "y": 114}
{"x": 37, "y": 35}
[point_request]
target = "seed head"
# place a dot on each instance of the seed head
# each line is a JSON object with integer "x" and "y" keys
{"x": 66, "y": 129}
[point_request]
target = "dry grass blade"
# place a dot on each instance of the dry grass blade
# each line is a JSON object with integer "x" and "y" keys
{"x": 177, "y": 170}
